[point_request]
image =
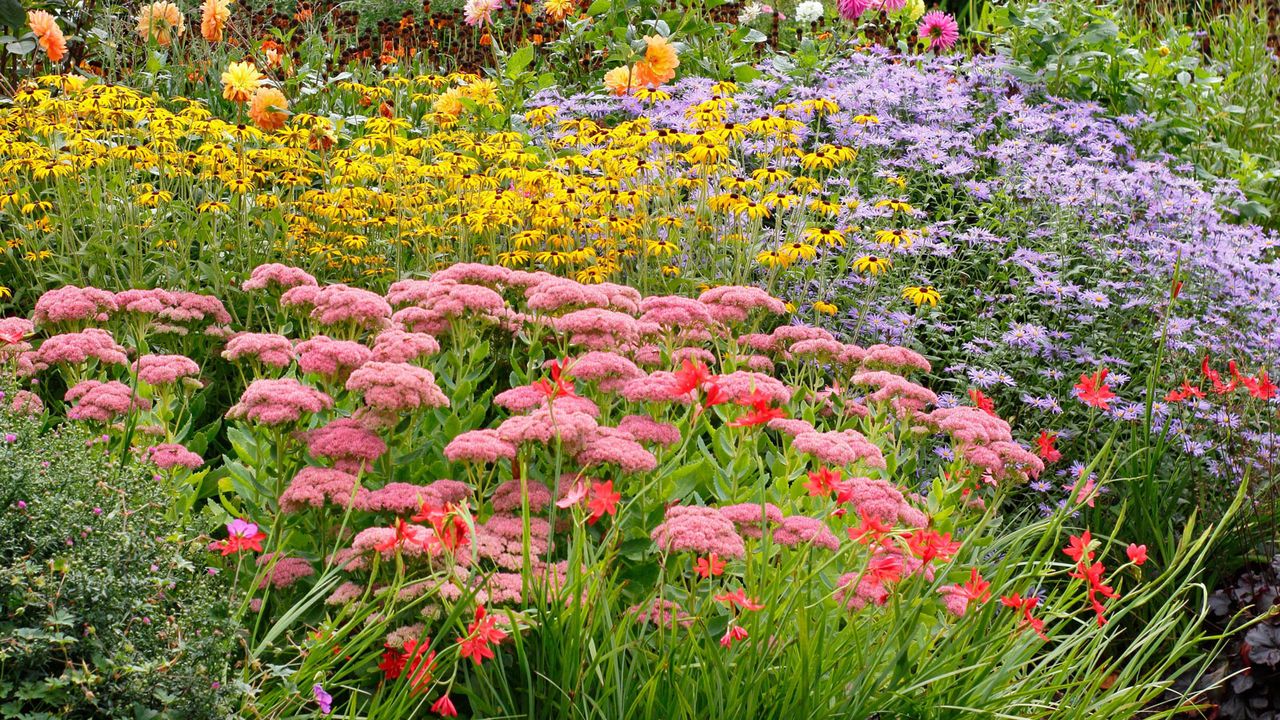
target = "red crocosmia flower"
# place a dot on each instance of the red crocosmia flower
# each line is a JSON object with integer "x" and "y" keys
{"x": 404, "y": 534}
{"x": 982, "y": 402}
{"x": 1260, "y": 387}
{"x": 1083, "y": 490}
{"x": 1026, "y": 605}
{"x": 1094, "y": 391}
{"x": 560, "y": 385}
{"x": 1045, "y": 448}
{"x": 710, "y": 566}
{"x": 976, "y": 589}
{"x": 733, "y": 634}
{"x": 738, "y": 599}
{"x": 444, "y": 707}
{"x": 480, "y": 634}
{"x": 691, "y": 376}
{"x": 1092, "y": 573}
{"x": 576, "y": 492}
{"x": 714, "y": 396}
{"x": 1177, "y": 288}
{"x": 1137, "y": 553}
{"x": 823, "y": 482}
{"x": 603, "y": 501}
{"x": 241, "y": 535}
{"x": 1186, "y": 392}
{"x": 760, "y": 412}
{"x": 929, "y": 545}
{"x": 449, "y": 524}
{"x": 475, "y": 648}
{"x": 1078, "y": 546}
{"x": 1215, "y": 379}
{"x": 885, "y": 568}
{"x": 393, "y": 662}
{"x": 421, "y": 661}
{"x": 871, "y": 529}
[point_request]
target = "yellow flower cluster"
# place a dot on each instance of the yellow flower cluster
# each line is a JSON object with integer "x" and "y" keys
{"x": 414, "y": 185}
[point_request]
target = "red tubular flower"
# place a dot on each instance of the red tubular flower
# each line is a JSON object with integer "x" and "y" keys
{"x": 733, "y": 634}
{"x": 691, "y": 376}
{"x": 976, "y": 589}
{"x": 603, "y": 501}
{"x": 1260, "y": 387}
{"x": 1026, "y": 606}
{"x": 710, "y": 566}
{"x": 885, "y": 568}
{"x": 1094, "y": 391}
{"x": 738, "y": 599}
{"x": 421, "y": 661}
{"x": 1186, "y": 392}
{"x": 928, "y": 545}
{"x": 1137, "y": 553}
{"x": 714, "y": 396}
{"x": 444, "y": 707}
{"x": 480, "y": 634}
{"x": 982, "y": 402}
{"x": 1091, "y": 572}
{"x": 870, "y": 529}
{"x": 393, "y": 662}
{"x": 823, "y": 482}
{"x": 760, "y": 412}
{"x": 560, "y": 384}
{"x": 1215, "y": 378}
{"x": 1045, "y": 448}
{"x": 404, "y": 534}
{"x": 449, "y": 524}
{"x": 1079, "y": 546}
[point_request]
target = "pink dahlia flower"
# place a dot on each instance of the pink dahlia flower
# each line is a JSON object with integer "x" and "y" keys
{"x": 939, "y": 30}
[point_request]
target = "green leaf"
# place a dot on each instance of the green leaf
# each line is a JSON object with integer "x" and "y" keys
{"x": 23, "y": 46}
{"x": 745, "y": 74}
{"x": 598, "y": 7}
{"x": 519, "y": 60}
{"x": 12, "y": 14}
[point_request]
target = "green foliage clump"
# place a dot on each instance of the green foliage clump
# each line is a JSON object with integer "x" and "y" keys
{"x": 106, "y": 610}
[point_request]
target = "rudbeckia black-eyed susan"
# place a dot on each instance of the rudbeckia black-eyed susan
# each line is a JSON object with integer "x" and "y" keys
{"x": 896, "y": 237}
{"x": 872, "y": 264}
{"x": 770, "y": 174}
{"x": 823, "y": 207}
{"x": 798, "y": 251}
{"x": 921, "y": 295}
{"x": 824, "y": 236}
{"x": 773, "y": 258}
{"x": 661, "y": 248}
{"x": 899, "y": 206}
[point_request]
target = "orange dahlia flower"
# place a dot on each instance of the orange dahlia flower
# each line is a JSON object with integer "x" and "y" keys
{"x": 161, "y": 21}
{"x": 49, "y": 35}
{"x": 213, "y": 19}
{"x": 620, "y": 80}
{"x": 659, "y": 63}
{"x": 269, "y": 109}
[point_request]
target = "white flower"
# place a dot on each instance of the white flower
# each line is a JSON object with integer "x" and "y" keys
{"x": 749, "y": 13}
{"x": 809, "y": 11}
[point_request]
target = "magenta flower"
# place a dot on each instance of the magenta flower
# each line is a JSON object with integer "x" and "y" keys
{"x": 939, "y": 30}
